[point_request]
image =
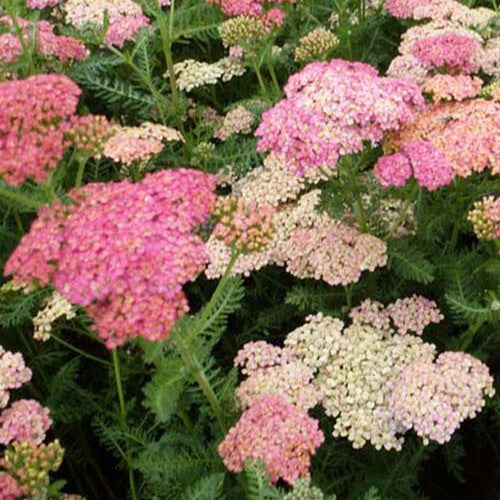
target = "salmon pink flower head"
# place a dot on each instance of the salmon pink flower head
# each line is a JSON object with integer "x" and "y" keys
{"x": 122, "y": 250}
{"x": 332, "y": 109}
{"x": 280, "y": 435}
{"x": 244, "y": 225}
{"x": 9, "y": 489}
{"x": 34, "y": 114}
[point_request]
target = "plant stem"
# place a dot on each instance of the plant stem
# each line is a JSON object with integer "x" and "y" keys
{"x": 353, "y": 189}
{"x": 274, "y": 78}
{"x": 78, "y": 351}
{"x": 79, "y": 174}
{"x": 261, "y": 80}
{"x": 470, "y": 334}
{"x": 123, "y": 420}
{"x": 190, "y": 360}
{"x": 454, "y": 236}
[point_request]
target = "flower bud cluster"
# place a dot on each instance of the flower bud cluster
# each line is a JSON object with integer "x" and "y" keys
{"x": 30, "y": 465}
{"x": 303, "y": 490}
{"x": 242, "y": 31}
{"x": 122, "y": 250}
{"x": 34, "y": 115}
{"x": 280, "y": 435}
{"x": 245, "y": 226}
{"x": 55, "y": 307}
{"x": 317, "y": 43}
{"x": 89, "y": 133}
{"x": 485, "y": 218}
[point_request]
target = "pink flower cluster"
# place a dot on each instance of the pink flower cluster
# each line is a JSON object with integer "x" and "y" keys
{"x": 125, "y": 17}
{"x": 333, "y": 108}
{"x": 429, "y": 166}
{"x": 13, "y": 374}
{"x": 254, "y": 8}
{"x": 25, "y": 420}
{"x": 34, "y": 114}
{"x": 282, "y": 436}
{"x": 434, "y": 398}
{"x": 411, "y": 314}
{"x": 467, "y": 133}
{"x": 310, "y": 244}
{"x": 63, "y": 48}
{"x": 245, "y": 226}
{"x": 485, "y": 218}
{"x": 453, "y": 51}
{"x": 9, "y": 489}
{"x": 89, "y": 133}
{"x": 122, "y": 250}
{"x": 238, "y": 121}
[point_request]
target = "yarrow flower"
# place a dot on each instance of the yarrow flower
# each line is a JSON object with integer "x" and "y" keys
{"x": 13, "y": 374}
{"x": 466, "y": 133}
{"x": 34, "y": 115}
{"x": 245, "y": 7}
{"x": 42, "y": 36}
{"x": 41, "y": 4}
{"x": 128, "y": 145}
{"x": 318, "y": 42}
{"x": 411, "y": 314}
{"x": 244, "y": 226}
{"x": 309, "y": 244}
{"x": 453, "y": 87}
{"x": 280, "y": 435}
{"x": 303, "y": 490}
{"x": 320, "y": 118}
{"x": 125, "y": 17}
{"x": 25, "y": 420}
{"x": 434, "y": 398}
{"x": 238, "y": 121}
{"x": 122, "y": 250}
{"x": 89, "y": 134}
{"x": 55, "y": 307}
{"x": 485, "y": 218}
{"x": 9, "y": 489}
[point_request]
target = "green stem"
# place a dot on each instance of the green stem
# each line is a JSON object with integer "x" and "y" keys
{"x": 123, "y": 420}
{"x": 348, "y": 295}
{"x": 19, "y": 198}
{"x": 261, "y": 80}
{"x": 79, "y": 351}
{"x": 454, "y": 236}
{"x": 274, "y": 78}
{"x": 19, "y": 223}
{"x": 359, "y": 209}
{"x": 189, "y": 358}
{"x": 82, "y": 161}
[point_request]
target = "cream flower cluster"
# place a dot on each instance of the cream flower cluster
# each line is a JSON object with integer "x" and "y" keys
{"x": 191, "y": 74}
{"x": 238, "y": 121}
{"x": 55, "y": 307}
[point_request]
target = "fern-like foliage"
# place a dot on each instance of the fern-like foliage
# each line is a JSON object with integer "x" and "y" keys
{"x": 409, "y": 262}
{"x": 207, "y": 488}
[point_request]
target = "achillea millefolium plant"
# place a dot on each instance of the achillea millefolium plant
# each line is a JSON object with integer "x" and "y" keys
{"x": 249, "y": 249}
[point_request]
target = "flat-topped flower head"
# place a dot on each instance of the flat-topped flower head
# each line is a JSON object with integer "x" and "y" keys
{"x": 13, "y": 374}
{"x": 122, "y": 250}
{"x": 254, "y": 8}
{"x": 453, "y": 87}
{"x": 34, "y": 115}
{"x": 318, "y": 43}
{"x": 280, "y": 435}
{"x": 9, "y": 489}
{"x": 25, "y": 420}
{"x": 434, "y": 398}
{"x": 332, "y": 109}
